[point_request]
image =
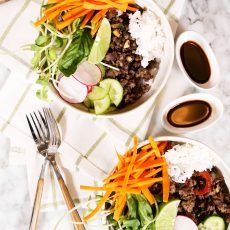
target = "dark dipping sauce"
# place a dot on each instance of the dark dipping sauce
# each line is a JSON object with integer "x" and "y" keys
{"x": 189, "y": 113}
{"x": 195, "y": 62}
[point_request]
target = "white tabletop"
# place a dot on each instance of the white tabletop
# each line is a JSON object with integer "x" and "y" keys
{"x": 211, "y": 19}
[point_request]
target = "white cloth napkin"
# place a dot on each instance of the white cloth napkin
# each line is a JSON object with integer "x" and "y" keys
{"x": 88, "y": 151}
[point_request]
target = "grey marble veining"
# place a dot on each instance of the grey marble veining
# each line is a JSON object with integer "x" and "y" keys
{"x": 211, "y": 18}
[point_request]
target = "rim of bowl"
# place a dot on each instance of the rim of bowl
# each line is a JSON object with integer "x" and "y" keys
{"x": 151, "y": 97}
{"x": 190, "y": 141}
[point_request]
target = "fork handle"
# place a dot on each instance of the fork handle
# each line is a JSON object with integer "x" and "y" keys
{"x": 38, "y": 197}
{"x": 68, "y": 199}
{"x": 37, "y": 202}
{"x": 70, "y": 204}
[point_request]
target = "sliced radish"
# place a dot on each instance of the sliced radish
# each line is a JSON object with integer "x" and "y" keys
{"x": 72, "y": 90}
{"x": 88, "y": 74}
{"x": 183, "y": 222}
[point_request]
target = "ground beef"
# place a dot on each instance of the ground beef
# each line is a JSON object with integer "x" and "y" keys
{"x": 200, "y": 207}
{"x": 132, "y": 76}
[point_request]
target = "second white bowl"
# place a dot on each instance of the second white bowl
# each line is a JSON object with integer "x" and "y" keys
{"x": 217, "y": 109}
{"x": 214, "y": 66}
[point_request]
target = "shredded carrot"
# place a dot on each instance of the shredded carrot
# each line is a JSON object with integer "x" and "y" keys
{"x": 154, "y": 146}
{"x": 99, "y": 206}
{"x": 166, "y": 183}
{"x": 132, "y": 8}
{"x": 153, "y": 172}
{"x": 133, "y": 182}
{"x": 146, "y": 182}
{"x": 72, "y": 13}
{"x": 130, "y": 167}
{"x": 136, "y": 171}
{"x": 151, "y": 164}
{"x": 146, "y": 147}
{"x": 99, "y": 16}
{"x": 162, "y": 146}
{"x": 114, "y": 176}
{"x": 149, "y": 196}
{"x": 95, "y": 29}
{"x": 121, "y": 161}
{"x": 120, "y": 208}
{"x": 116, "y": 189}
{"x": 94, "y": 10}
{"x": 87, "y": 18}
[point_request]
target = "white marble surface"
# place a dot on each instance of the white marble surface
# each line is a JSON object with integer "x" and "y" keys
{"x": 210, "y": 18}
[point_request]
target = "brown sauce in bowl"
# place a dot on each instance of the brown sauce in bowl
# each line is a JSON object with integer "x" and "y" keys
{"x": 189, "y": 113}
{"x": 195, "y": 62}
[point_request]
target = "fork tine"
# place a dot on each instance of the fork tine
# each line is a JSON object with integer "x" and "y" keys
{"x": 42, "y": 117}
{"x": 35, "y": 125}
{"x": 31, "y": 129}
{"x": 47, "y": 118}
{"x": 55, "y": 127}
{"x": 45, "y": 123}
{"x": 41, "y": 128}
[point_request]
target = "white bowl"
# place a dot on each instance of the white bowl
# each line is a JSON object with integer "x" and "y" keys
{"x": 215, "y": 70}
{"x": 158, "y": 83}
{"x": 215, "y": 103}
{"x": 224, "y": 168}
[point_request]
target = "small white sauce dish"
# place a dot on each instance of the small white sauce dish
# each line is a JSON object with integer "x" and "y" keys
{"x": 217, "y": 110}
{"x": 214, "y": 66}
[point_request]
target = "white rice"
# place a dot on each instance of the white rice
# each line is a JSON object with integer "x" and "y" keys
{"x": 184, "y": 159}
{"x": 148, "y": 31}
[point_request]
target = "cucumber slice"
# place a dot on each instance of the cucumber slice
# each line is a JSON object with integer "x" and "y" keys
{"x": 102, "y": 68}
{"x": 213, "y": 223}
{"x": 91, "y": 110}
{"x": 101, "y": 106}
{"x": 97, "y": 93}
{"x": 111, "y": 109}
{"x": 115, "y": 90}
{"x": 88, "y": 103}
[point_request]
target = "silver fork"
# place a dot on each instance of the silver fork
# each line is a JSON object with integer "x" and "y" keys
{"x": 55, "y": 142}
{"x": 40, "y": 133}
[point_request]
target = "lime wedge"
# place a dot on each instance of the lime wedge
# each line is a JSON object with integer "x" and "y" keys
{"x": 101, "y": 43}
{"x": 166, "y": 217}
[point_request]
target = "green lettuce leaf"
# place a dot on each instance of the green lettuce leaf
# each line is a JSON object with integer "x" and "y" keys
{"x": 77, "y": 51}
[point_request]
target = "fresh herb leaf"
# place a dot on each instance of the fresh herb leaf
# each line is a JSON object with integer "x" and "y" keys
{"x": 43, "y": 80}
{"x": 35, "y": 47}
{"x": 35, "y": 60}
{"x": 144, "y": 211}
{"x": 132, "y": 207}
{"x": 42, "y": 40}
{"x": 77, "y": 51}
{"x": 132, "y": 224}
{"x": 112, "y": 221}
{"x": 58, "y": 42}
{"x": 42, "y": 93}
{"x": 52, "y": 53}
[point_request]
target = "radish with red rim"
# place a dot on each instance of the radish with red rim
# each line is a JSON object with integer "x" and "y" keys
{"x": 183, "y": 222}
{"x": 72, "y": 90}
{"x": 88, "y": 74}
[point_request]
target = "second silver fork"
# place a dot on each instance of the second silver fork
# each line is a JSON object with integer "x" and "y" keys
{"x": 41, "y": 136}
{"x": 55, "y": 142}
